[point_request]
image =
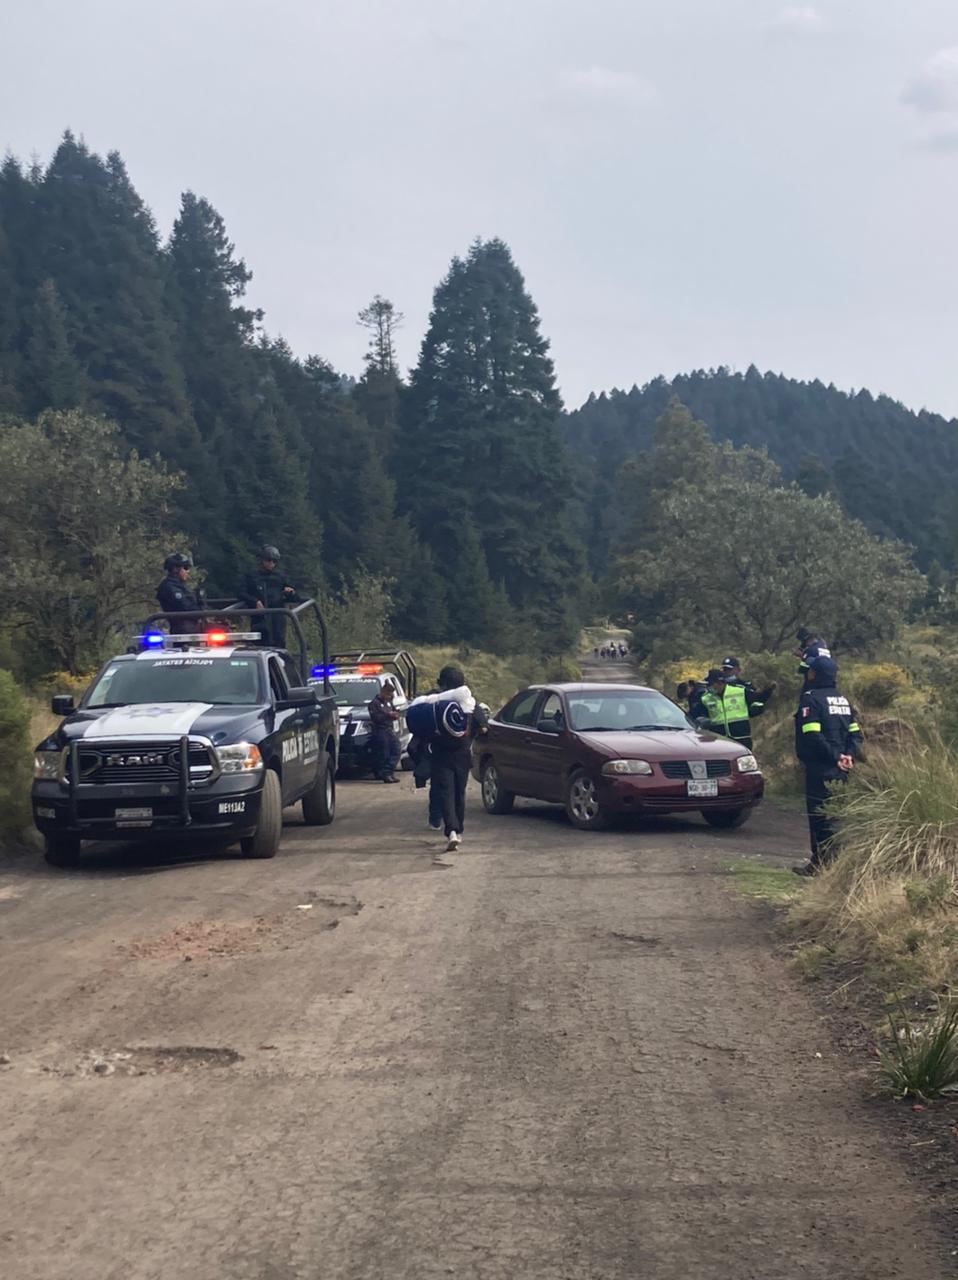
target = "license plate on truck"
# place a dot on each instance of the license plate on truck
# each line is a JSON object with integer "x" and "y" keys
{"x": 134, "y": 817}
{"x": 709, "y": 788}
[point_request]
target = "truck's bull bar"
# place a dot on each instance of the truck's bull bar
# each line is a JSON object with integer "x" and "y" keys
{"x": 73, "y": 784}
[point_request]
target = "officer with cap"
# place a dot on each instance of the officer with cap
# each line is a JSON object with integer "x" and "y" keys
{"x": 175, "y": 597}
{"x": 733, "y": 675}
{"x": 725, "y": 707}
{"x": 265, "y": 588}
{"x": 827, "y": 742}
{"x": 810, "y": 645}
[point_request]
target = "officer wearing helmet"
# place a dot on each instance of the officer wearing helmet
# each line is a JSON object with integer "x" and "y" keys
{"x": 266, "y": 588}
{"x": 176, "y": 597}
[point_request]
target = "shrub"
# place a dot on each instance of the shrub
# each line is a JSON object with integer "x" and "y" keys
{"x": 879, "y": 684}
{"x": 14, "y": 758}
{"x": 923, "y": 1062}
{"x": 62, "y": 682}
{"x": 562, "y": 670}
{"x": 897, "y": 861}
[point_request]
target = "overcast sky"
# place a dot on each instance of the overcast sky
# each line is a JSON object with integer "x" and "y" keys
{"x": 684, "y": 183}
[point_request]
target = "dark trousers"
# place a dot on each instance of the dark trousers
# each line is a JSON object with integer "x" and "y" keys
{"x": 447, "y": 794}
{"x": 821, "y": 825}
{"x": 385, "y": 748}
{"x": 272, "y": 630}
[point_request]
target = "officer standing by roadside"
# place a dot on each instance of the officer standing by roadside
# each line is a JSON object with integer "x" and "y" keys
{"x": 176, "y": 597}
{"x": 827, "y": 741}
{"x": 384, "y": 738}
{"x": 265, "y": 588}
{"x": 733, "y": 675}
{"x": 724, "y": 707}
{"x": 810, "y": 645}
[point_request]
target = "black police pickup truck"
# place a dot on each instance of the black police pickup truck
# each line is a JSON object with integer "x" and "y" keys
{"x": 209, "y": 734}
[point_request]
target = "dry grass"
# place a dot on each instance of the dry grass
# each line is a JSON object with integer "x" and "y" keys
{"x": 890, "y": 898}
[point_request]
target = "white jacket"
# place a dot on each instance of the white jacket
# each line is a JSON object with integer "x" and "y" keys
{"x": 462, "y": 695}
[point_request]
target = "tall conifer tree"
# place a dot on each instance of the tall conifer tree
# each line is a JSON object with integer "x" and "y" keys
{"x": 481, "y": 416}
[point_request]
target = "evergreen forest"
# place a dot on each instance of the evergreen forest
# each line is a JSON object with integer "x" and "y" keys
{"x": 463, "y": 491}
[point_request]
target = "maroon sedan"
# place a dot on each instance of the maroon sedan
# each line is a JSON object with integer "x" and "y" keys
{"x": 605, "y": 749}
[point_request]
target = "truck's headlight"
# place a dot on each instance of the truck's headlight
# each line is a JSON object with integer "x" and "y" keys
{"x": 626, "y": 766}
{"x": 48, "y": 765}
{"x": 239, "y": 757}
{"x": 747, "y": 764}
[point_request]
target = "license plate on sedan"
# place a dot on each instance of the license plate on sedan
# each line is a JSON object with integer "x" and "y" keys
{"x": 709, "y": 788}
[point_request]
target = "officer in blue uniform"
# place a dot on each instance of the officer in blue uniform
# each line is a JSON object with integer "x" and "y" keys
{"x": 828, "y": 738}
{"x": 176, "y": 597}
{"x": 267, "y": 588}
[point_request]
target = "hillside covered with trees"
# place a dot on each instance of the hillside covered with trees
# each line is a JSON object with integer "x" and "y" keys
{"x": 138, "y": 389}
{"x": 890, "y": 468}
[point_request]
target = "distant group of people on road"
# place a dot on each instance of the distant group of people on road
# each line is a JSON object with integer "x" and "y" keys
{"x": 827, "y": 733}
{"x": 614, "y": 649}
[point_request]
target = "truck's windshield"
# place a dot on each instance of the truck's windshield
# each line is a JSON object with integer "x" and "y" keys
{"x": 221, "y": 681}
{"x": 354, "y": 693}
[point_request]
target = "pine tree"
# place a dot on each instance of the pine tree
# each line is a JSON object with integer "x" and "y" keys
{"x": 53, "y": 378}
{"x": 481, "y": 444}
{"x": 255, "y": 486}
{"x": 98, "y": 243}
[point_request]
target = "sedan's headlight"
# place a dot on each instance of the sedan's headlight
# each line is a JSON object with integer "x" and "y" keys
{"x": 48, "y": 765}
{"x": 239, "y": 757}
{"x": 747, "y": 764}
{"x": 627, "y": 766}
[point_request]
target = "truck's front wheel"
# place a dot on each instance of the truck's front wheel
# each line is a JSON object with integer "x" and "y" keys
{"x": 319, "y": 803}
{"x": 264, "y": 841}
{"x": 62, "y": 850}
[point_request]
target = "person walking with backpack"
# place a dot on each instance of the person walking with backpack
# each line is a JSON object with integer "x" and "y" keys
{"x": 449, "y": 721}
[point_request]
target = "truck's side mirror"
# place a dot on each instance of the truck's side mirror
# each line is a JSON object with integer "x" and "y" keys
{"x": 62, "y": 704}
{"x": 298, "y": 696}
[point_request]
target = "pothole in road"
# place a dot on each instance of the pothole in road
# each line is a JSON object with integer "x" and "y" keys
{"x": 149, "y": 1060}
{"x": 347, "y": 905}
{"x": 636, "y": 939}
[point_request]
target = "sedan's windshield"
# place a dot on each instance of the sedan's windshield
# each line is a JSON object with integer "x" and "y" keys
{"x": 219, "y": 681}
{"x": 354, "y": 693}
{"x": 624, "y": 710}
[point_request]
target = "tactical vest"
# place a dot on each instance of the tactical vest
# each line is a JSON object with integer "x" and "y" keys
{"x": 732, "y": 710}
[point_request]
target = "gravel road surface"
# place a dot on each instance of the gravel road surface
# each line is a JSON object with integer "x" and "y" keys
{"x": 553, "y": 1055}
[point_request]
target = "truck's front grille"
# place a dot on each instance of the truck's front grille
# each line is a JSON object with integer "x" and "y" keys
{"x": 134, "y": 762}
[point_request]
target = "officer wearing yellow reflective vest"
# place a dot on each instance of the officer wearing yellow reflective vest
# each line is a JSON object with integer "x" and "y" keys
{"x": 725, "y": 706}
{"x": 827, "y": 741}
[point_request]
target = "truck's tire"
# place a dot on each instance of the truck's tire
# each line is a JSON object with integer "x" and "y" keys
{"x": 264, "y": 841}
{"x": 726, "y": 819}
{"x": 62, "y": 850}
{"x": 319, "y": 803}
{"x": 495, "y": 798}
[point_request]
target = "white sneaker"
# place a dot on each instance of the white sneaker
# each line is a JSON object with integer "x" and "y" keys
{"x": 454, "y": 841}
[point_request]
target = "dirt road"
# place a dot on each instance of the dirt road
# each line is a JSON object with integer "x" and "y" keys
{"x": 560, "y": 1056}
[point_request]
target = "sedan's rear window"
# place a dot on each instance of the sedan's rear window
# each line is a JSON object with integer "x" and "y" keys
{"x": 606, "y": 711}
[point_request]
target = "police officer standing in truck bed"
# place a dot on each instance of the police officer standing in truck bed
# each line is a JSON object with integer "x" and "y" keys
{"x": 266, "y": 588}
{"x": 176, "y": 597}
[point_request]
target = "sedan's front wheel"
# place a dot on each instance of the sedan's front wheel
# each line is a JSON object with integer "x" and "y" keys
{"x": 495, "y": 798}
{"x": 582, "y": 803}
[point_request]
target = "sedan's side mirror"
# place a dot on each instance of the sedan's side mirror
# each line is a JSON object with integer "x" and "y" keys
{"x": 62, "y": 704}
{"x": 298, "y": 696}
{"x": 549, "y": 726}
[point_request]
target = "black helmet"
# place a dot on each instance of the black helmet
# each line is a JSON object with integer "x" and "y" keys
{"x": 269, "y": 553}
{"x": 177, "y": 561}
